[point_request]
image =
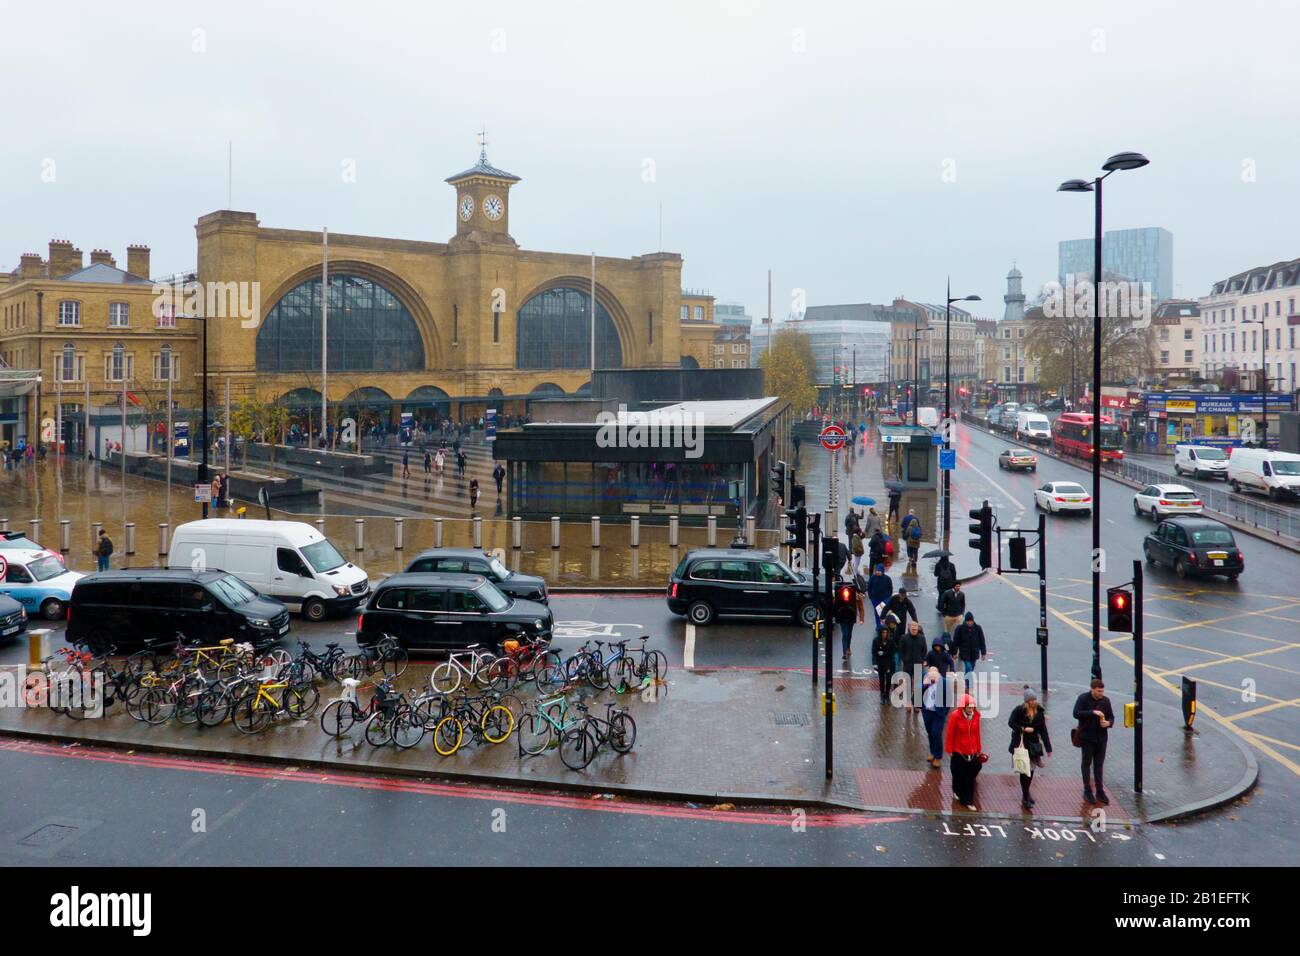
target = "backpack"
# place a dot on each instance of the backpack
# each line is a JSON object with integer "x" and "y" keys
{"x": 858, "y": 550}
{"x": 914, "y": 532}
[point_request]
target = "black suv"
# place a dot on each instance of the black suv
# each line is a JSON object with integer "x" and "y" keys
{"x": 736, "y": 582}
{"x": 429, "y": 612}
{"x": 147, "y": 607}
{"x": 473, "y": 561}
{"x": 1194, "y": 545}
{"x": 13, "y": 618}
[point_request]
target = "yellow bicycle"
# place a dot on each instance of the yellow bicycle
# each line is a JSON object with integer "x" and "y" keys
{"x": 254, "y": 711}
{"x": 484, "y": 717}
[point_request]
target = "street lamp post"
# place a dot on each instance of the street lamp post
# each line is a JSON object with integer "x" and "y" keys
{"x": 203, "y": 424}
{"x": 947, "y": 400}
{"x": 1263, "y": 392}
{"x": 1117, "y": 162}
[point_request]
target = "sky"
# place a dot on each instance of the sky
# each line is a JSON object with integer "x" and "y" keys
{"x": 860, "y": 151}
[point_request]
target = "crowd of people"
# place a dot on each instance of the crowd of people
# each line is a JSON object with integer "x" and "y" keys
{"x": 935, "y": 678}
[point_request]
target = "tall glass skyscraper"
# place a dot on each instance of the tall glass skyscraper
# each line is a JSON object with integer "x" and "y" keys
{"x": 1144, "y": 255}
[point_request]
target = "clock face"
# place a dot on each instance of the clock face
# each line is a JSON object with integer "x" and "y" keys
{"x": 493, "y": 207}
{"x": 466, "y": 207}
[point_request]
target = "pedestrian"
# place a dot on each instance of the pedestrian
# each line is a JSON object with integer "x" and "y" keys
{"x": 968, "y": 644}
{"x": 945, "y": 575}
{"x": 873, "y": 524}
{"x": 857, "y": 549}
{"x": 876, "y": 548}
{"x": 796, "y": 446}
{"x": 895, "y": 501}
{"x": 912, "y": 651}
{"x": 880, "y": 588}
{"x": 846, "y": 615}
{"x": 103, "y": 550}
{"x": 473, "y": 494}
{"x": 1028, "y": 725}
{"x": 439, "y": 460}
{"x": 883, "y": 648}
{"x": 1095, "y": 715}
{"x": 912, "y": 533}
{"x": 940, "y": 657}
{"x": 428, "y": 462}
{"x": 907, "y": 521}
{"x": 460, "y": 462}
{"x": 499, "y": 475}
{"x": 406, "y": 464}
{"x": 934, "y": 712}
{"x": 961, "y": 739}
{"x": 952, "y": 605}
{"x": 901, "y": 605}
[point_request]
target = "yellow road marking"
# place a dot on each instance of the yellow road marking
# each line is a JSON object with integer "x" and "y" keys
{"x": 1242, "y": 658}
{"x": 1265, "y": 709}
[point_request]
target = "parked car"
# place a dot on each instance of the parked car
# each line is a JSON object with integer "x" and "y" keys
{"x": 148, "y": 607}
{"x": 1052, "y": 405}
{"x": 1033, "y": 426}
{"x": 38, "y": 580}
{"x": 288, "y": 560}
{"x": 1159, "y": 501}
{"x": 739, "y": 582}
{"x": 1018, "y": 459}
{"x": 1274, "y": 473}
{"x": 1194, "y": 545}
{"x": 1201, "y": 461}
{"x": 13, "y": 618}
{"x": 1062, "y": 496}
{"x": 428, "y": 612}
{"x": 473, "y": 561}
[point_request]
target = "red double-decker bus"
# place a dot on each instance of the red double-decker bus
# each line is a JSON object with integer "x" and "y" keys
{"x": 1072, "y": 435}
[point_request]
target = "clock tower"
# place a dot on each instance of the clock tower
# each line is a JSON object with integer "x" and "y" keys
{"x": 483, "y": 201}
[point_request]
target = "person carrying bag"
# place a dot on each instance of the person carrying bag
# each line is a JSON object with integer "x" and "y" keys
{"x": 1030, "y": 742}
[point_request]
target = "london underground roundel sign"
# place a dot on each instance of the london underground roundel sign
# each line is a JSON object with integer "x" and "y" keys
{"x": 832, "y": 438}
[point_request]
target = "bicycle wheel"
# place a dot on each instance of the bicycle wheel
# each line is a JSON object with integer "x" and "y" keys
{"x": 621, "y": 675}
{"x": 497, "y": 723}
{"x": 408, "y": 728}
{"x": 300, "y": 700}
{"x": 445, "y": 678}
{"x": 622, "y": 733}
{"x": 429, "y": 710}
{"x": 657, "y": 665}
{"x": 394, "y": 661}
{"x": 156, "y": 706}
{"x": 540, "y": 663}
{"x": 534, "y": 735}
{"x": 187, "y": 700}
{"x": 551, "y": 678}
{"x": 597, "y": 676}
{"x": 214, "y": 706}
{"x": 501, "y": 674}
{"x": 251, "y": 715}
{"x": 338, "y": 717}
{"x": 379, "y": 730}
{"x": 577, "y": 747}
{"x": 448, "y": 735}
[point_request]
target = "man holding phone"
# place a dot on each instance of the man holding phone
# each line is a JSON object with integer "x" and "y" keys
{"x": 1095, "y": 716}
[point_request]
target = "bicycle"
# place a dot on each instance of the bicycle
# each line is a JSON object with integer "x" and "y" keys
{"x": 332, "y": 665}
{"x": 581, "y": 743}
{"x": 485, "y": 716}
{"x": 585, "y": 664}
{"x": 255, "y": 710}
{"x": 541, "y": 728}
{"x": 385, "y": 654}
{"x": 447, "y": 676}
{"x": 387, "y": 717}
{"x": 521, "y": 660}
{"x": 625, "y": 672}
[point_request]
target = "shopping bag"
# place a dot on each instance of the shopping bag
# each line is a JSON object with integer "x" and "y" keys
{"x": 1020, "y": 761}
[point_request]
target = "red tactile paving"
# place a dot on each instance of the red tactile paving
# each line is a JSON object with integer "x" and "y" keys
{"x": 994, "y": 792}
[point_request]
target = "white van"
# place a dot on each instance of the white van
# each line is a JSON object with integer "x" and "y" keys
{"x": 288, "y": 560}
{"x": 1033, "y": 426}
{"x": 1201, "y": 460}
{"x": 1274, "y": 473}
{"x": 927, "y": 416}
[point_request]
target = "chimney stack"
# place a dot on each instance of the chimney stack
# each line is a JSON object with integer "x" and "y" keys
{"x": 31, "y": 266}
{"x": 137, "y": 261}
{"x": 102, "y": 256}
{"x": 63, "y": 258}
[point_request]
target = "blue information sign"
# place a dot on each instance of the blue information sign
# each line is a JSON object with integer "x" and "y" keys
{"x": 947, "y": 459}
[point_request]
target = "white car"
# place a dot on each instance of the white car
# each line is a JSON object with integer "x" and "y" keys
{"x": 38, "y": 580}
{"x": 1063, "y": 496}
{"x": 1161, "y": 501}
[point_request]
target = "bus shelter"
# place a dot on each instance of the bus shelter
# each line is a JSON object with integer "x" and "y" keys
{"x": 909, "y": 455}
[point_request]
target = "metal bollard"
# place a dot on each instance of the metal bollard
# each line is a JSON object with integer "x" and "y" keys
{"x": 516, "y": 533}
{"x": 437, "y": 532}
{"x": 673, "y": 522}
{"x": 751, "y": 530}
{"x": 634, "y": 533}
{"x": 36, "y": 647}
{"x": 65, "y": 535}
{"x": 713, "y": 531}
{"x": 34, "y": 529}
{"x": 4, "y": 524}
{"x": 555, "y": 531}
{"x": 163, "y": 533}
{"x": 360, "y": 526}
{"x": 130, "y": 537}
{"x": 595, "y": 531}
{"x": 478, "y": 531}
{"x": 399, "y": 534}
{"x": 320, "y": 525}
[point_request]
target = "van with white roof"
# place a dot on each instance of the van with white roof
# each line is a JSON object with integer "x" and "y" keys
{"x": 1033, "y": 426}
{"x": 1273, "y": 473}
{"x": 287, "y": 560}
{"x": 1201, "y": 461}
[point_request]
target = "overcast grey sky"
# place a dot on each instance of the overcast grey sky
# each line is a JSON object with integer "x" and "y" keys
{"x": 809, "y": 138}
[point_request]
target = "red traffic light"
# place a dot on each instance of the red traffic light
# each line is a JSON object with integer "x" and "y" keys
{"x": 1120, "y": 601}
{"x": 846, "y": 594}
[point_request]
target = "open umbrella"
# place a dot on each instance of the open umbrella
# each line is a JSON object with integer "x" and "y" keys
{"x": 938, "y": 553}
{"x": 863, "y": 500}
{"x": 893, "y": 485}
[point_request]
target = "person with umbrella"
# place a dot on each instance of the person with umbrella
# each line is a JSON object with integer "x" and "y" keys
{"x": 945, "y": 572}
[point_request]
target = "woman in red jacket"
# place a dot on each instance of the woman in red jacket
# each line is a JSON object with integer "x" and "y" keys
{"x": 961, "y": 738}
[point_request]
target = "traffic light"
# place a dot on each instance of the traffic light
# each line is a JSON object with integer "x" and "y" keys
{"x": 831, "y": 553}
{"x": 778, "y": 479}
{"x": 982, "y": 528}
{"x": 797, "y": 529}
{"x": 797, "y": 496}
{"x": 1119, "y": 610}
{"x": 844, "y": 595}
{"x": 1017, "y": 552}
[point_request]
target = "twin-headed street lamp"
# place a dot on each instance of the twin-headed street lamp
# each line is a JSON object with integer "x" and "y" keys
{"x": 1115, "y": 163}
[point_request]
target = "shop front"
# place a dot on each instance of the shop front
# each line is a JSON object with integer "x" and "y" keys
{"x": 1221, "y": 419}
